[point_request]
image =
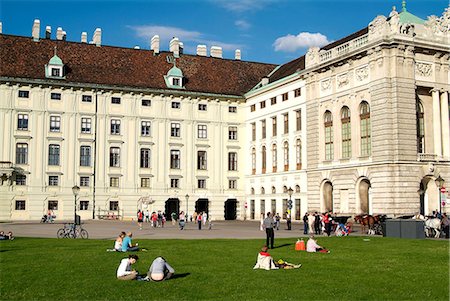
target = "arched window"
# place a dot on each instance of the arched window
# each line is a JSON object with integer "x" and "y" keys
{"x": 274, "y": 157}
{"x": 286, "y": 156}
{"x": 253, "y": 161}
{"x": 364, "y": 116}
{"x": 420, "y": 129}
{"x": 274, "y": 191}
{"x": 285, "y": 189}
{"x": 298, "y": 153}
{"x": 263, "y": 191}
{"x": 252, "y": 191}
{"x": 297, "y": 189}
{"x": 328, "y": 123}
{"x": 263, "y": 159}
{"x": 346, "y": 133}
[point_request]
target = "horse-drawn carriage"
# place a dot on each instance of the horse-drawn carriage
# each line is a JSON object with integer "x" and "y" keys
{"x": 371, "y": 222}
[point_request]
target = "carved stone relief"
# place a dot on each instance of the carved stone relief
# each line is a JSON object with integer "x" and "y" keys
{"x": 326, "y": 84}
{"x": 362, "y": 73}
{"x": 424, "y": 69}
{"x": 439, "y": 25}
{"x": 342, "y": 80}
{"x": 377, "y": 26}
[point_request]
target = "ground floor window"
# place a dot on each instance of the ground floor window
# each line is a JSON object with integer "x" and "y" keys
{"x": 20, "y": 205}
{"x": 174, "y": 183}
{"x": 114, "y": 205}
{"x": 53, "y": 180}
{"x": 145, "y": 182}
{"x": 84, "y": 205}
{"x": 21, "y": 180}
{"x": 52, "y": 205}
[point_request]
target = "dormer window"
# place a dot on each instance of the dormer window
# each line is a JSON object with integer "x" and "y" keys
{"x": 55, "y": 68}
{"x": 174, "y": 78}
{"x": 56, "y": 72}
{"x": 176, "y": 81}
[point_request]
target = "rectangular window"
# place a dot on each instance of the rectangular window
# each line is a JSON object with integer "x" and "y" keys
{"x": 56, "y": 72}
{"x": 176, "y": 82}
{"x": 114, "y": 157}
{"x": 285, "y": 96}
{"x": 85, "y": 155}
{"x": 202, "y": 131}
{"x": 273, "y": 101}
{"x": 201, "y": 160}
{"x": 232, "y": 133}
{"x": 175, "y": 130}
{"x": 201, "y": 184}
{"x": 86, "y": 125}
{"x": 114, "y": 205}
{"x": 263, "y": 129}
{"x": 366, "y": 147}
{"x": 262, "y": 104}
{"x": 298, "y": 92}
{"x": 176, "y": 105}
{"x": 84, "y": 205}
{"x": 346, "y": 139}
{"x": 274, "y": 126}
{"x": 86, "y": 98}
{"x": 145, "y": 182}
{"x": 53, "y": 154}
{"x": 22, "y": 122}
{"x": 20, "y": 205}
{"x": 24, "y": 94}
{"x": 53, "y": 180}
{"x": 175, "y": 159}
{"x": 145, "y": 128}
{"x": 298, "y": 118}
{"x": 329, "y": 154}
{"x": 52, "y": 205}
{"x": 202, "y": 107}
{"x": 113, "y": 182}
{"x": 145, "y": 158}
{"x": 146, "y": 102}
{"x": 84, "y": 181}
{"x": 55, "y": 96}
{"x": 115, "y": 100}
{"x": 55, "y": 123}
{"x": 252, "y": 108}
{"x": 232, "y": 161}
{"x": 174, "y": 183}
{"x": 21, "y": 153}
{"x": 286, "y": 123}
{"x": 232, "y": 184}
{"x": 115, "y": 126}
{"x": 21, "y": 180}
{"x": 253, "y": 131}
{"x": 232, "y": 109}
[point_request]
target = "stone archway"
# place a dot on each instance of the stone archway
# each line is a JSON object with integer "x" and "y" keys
{"x": 364, "y": 196}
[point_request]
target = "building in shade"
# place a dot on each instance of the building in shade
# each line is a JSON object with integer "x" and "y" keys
{"x": 358, "y": 126}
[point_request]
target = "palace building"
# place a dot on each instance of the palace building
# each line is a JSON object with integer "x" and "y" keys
{"x": 358, "y": 126}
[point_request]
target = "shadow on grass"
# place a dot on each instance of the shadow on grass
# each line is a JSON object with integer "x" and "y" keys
{"x": 182, "y": 275}
{"x": 281, "y": 246}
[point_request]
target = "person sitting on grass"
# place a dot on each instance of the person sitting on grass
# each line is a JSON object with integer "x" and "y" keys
{"x": 265, "y": 261}
{"x": 118, "y": 243}
{"x": 312, "y": 246}
{"x": 124, "y": 271}
{"x": 127, "y": 246}
{"x": 160, "y": 270}
{"x": 8, "y": 236}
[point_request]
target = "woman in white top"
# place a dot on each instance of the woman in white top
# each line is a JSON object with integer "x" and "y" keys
{"x": 118, "y": 242}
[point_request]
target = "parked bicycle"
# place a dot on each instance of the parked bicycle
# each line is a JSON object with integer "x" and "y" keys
{"x": 71, "y": 230}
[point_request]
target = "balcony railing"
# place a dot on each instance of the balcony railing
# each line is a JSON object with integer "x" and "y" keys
{"x": 344, "y": 48}
{"x": 431, "y": 158}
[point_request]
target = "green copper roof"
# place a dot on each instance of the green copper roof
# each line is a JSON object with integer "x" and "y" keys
{"x": 175, "y": 71}
{"x": 55, "y": 60}
{"x": 406, "y": 17}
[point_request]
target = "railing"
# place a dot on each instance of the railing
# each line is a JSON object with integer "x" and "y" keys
{"x": 6, "y": 165}
{"x": 431, "y": 157}
{"x": 344, "y": 48}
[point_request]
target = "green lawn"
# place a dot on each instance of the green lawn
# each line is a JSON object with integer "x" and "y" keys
{"x": 356, "y": 269}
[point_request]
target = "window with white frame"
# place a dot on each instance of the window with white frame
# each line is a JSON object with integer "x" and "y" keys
{"x": 202, "y": 106}
{"x": 364, "y": 116}
{"x": 146, "y": 128}
{"x": 53, "y": 154}
{"x": 286, "y": 123}
{"x": 24, "y": 94}
{"x": 298, "y": 153}
{"x": 115, "y": 126}
{"x": 253, "y": 131}
{"x": 298, "y": 118}
{"x": 286, "y": 155}
{"x": 84, "y": 205}
{"x": 263, "y": 159}
{"x": 262, "y": 104}
{"x": 86, "y": 98}
{"x": 53, "y": 180}
{"x": 56, "y": 72}
{"x": 55, "y": 123}
{"x": 201, "y": 183}
{"x": 114, "y": 182}
{"x": 232, "y": 109}
{"x": 274, "y": 126}
{"x": 232, "y": 184}
{"x": 21, "y": 180}
{"x": 420, "y": 127}
{"x": 115, "y": 100}
{"x": 175, "y": 159}
{"x": 328, "y": 124}
{"x": 202, "y": 131}
{"x": 114, "y": 157}
{"x": 201, "y": 160}
{"x": 145, "y": 158}
{"x": 175, "y": 129}
{"x": 346, "y": 133}
{"x": 22, "y": 122}
{"x": 55, "y": 96}
{"x": 21, "y": 153}
{"x": 232, "y": 161}
{"x": 176, "y": 105}
{"x": 285, "y": 96}
{"x": 274, "y": 157}
{"x": 174, "y": 183}
{"x": 85, "y": 155}
{"x": 232, "y": 133}
{"x": 52, "y": 205}
{"x": 84, "y": 181}
{"x": 146, "y": 102}
{"x": 145, "y": 182}
{"x": 298, "y": 92}
{"x": 253, "y": 161}
{"x": 86, "y": 125}
{"x": 20, "y": 205}
{"x": 263, "y": 129}
{"x": 114, "y": 205}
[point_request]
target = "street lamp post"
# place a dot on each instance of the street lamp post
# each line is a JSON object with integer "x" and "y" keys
{"x": 187, "y": 206}
{"x": 440, "y": 183}
{"x": 75, "y": 190}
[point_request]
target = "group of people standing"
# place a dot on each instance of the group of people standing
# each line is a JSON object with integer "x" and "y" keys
{"x": 201, "y": 218}
{"x": 157, "y": 219}
{"x": 318, "y": 223}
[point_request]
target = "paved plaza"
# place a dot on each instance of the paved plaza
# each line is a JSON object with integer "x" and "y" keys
{"x": 101, "y": 229}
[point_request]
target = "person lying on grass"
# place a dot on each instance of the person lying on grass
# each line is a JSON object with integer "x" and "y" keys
{"x": 124, "y": 271}
{"x": 265, "y": 261}
{"x": 160, "y": 270}
{"x": 312, "y": 246}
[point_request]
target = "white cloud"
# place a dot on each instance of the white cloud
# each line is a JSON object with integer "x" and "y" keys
{"x": 291, "y": 43}
{"x": 240, "y": 6}
{"x": 242, "y": 24}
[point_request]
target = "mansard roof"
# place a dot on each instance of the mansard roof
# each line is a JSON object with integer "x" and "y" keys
{"x": 21, "y": 57}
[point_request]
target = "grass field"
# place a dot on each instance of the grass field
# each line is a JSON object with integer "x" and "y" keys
{"x": 356, "y": 269}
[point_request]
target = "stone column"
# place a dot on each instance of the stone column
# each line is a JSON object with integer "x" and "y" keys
{"x": 445, "y": 125}
{"x": 437, "y": 124}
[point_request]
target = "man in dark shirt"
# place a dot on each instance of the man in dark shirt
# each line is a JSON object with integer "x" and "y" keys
{"x": 268, "y": 225}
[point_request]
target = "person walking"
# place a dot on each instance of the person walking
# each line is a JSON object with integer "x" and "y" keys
{"x": 316, "y": 223}
{"x": 140, "y": 218}
{"x": 445, "y": 224}
{"x": 270, "y": 235}
{"x": 199, "y": 220}
{"x": 305, "y": 223}
{"x": 182, "y": 220}
{"x": 288, "y": 220}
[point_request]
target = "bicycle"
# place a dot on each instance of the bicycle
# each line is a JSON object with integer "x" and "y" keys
{"x": 72, "y": 231}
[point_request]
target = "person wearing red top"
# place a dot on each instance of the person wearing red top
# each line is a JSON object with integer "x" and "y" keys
{"x": 327, "y": 222}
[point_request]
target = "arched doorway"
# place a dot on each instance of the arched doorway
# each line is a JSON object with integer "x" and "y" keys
{"x": 327, "y": 194}
{"x": 429, "y": 196}
{"x": 172, "y": 205}
{"x": 202, "y": 205}
{"x": 230, "y": 209}
{"x": 364, "y": 197}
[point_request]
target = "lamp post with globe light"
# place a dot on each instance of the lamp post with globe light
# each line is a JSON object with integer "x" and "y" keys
{"x": 76, "y": 191}
{"x": 187, "y": 206}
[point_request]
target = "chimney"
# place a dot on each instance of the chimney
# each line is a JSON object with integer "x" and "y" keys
{"x": 237, "y": 54}
{"x": 201, "y": 50}
{"x": 84, "y": 37}
{"x": 137, "y": 47}
{"x": 59, "y": 33}
{"x": 181, "y": 47}
{"x": 64, "y": 35}
{"x": 36, "y": 30}
{"x": 174, "y": 47}
{"x": 216, "y": 51}
{"x": 97, "y": 39}
{"x": 154, "y": 44}
{"x": 48, "y": 32}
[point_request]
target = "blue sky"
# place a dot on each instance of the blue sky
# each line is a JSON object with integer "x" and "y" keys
{"x": 272, "y": 31}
